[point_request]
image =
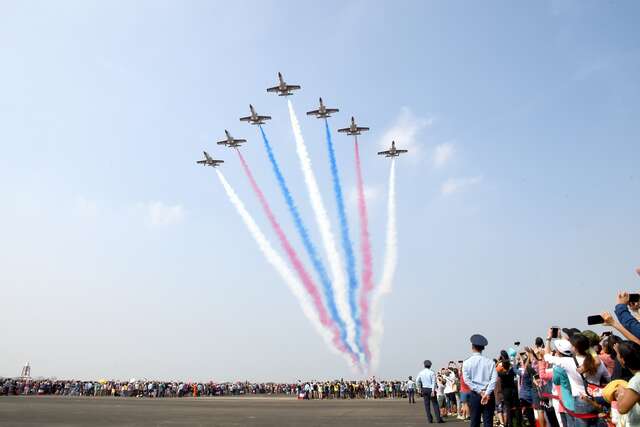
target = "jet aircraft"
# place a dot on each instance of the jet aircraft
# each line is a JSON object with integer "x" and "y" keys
{"x": 392, "y": 152}
{"x": 322, "y": 112}
{"x": 231, "y": 142}
{"x": 283, "y": 89}
{"x": 353, "y": 129}
{"x": 254, "y": 118}
{"x": 208, "y": 161}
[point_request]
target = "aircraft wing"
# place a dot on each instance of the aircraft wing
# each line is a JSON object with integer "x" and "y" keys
{"x": 273, "y": 89}
{"x": 313, "y": 113}
{"x": 384, "y": 152}
{"x": 332, "y": 110}
{"x": 245, "y": 119}
{"x": 217, "y": 162}
{"x": 201, "y": 162}
{"x": 344, "y": 130}
{"x": 362, "y": 129}
{"x": 292, "y": 87}
{"x": 222, "y": 142}
{"x": 401, "y": 151}
{"x": 263, "y": 118}
{"x": 239, "y": 141}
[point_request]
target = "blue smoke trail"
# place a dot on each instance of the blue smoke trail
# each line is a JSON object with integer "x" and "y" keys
{"x": 306, "y": 240}
{"x": 345, "y": 239}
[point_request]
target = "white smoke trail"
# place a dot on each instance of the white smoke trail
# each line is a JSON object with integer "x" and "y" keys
{"x": 388, "y": 271}
{"x": 279, "y": 264}
{"x": 324, "y": 225}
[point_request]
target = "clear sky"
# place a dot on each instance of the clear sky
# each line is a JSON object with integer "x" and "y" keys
{"x": 518, "y": 203}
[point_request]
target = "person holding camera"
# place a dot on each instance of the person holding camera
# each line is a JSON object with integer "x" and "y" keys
{"x": 624, "y": 316}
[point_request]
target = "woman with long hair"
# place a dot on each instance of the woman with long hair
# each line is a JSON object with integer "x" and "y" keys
{"x": 509, "y": 389}
{"x": 629, "y": 399}
{"x": 581, "y": 369}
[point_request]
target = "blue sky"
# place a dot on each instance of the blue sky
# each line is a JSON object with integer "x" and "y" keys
{"x": 517, "y": 204}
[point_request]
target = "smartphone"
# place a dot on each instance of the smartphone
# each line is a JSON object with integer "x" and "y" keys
{"x": 595, "y": 320}
{"x": 634, "y": 297}
{"x": 555, "y": 332}
{"x": 517, "y": 343}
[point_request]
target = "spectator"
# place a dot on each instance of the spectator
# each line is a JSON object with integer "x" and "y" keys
{"x": 625, "y": 317}
{"x": 428, "y": 383}
{"x": 507, "y": 398}
{"x": 411, "y": 390}
{"x": 629, "y": 399}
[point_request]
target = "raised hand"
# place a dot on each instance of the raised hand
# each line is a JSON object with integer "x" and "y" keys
{"x": 623, "y": 298}
{"x": 608, "y": 318}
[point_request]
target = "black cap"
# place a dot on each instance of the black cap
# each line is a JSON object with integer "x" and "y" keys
{"x": 570, "y": 331}
{"x": 479, "y": 340}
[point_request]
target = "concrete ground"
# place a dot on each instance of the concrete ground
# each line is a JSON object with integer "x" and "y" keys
{"x": 226, "y": 411}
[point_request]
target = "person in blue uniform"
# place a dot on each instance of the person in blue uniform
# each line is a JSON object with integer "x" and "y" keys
{"x": 480, "y": 375}
{"x": 427, "y": 382}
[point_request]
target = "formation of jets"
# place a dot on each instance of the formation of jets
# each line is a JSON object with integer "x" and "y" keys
{"x": 284, "y": 89}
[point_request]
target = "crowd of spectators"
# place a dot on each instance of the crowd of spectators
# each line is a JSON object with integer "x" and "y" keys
{"x": 571, "y": 378}
{"x": 337, "y": 389}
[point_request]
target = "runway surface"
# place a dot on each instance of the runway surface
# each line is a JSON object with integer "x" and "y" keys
{"x": 242, "y": 411}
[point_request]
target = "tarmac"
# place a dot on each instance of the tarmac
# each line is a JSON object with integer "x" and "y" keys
{"x": 220, "y": 411}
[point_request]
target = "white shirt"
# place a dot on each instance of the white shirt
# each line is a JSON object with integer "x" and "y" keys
{"x": 569, "y": 365}
{"x": 411, "y": 385}
{"x": 450, "y": 380}
{"x": 427, "y": 378}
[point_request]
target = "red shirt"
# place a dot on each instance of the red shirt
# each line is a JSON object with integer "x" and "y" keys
{"x": 464, "y": 388}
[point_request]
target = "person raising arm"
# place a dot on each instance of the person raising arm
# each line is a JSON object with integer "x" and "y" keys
{"x": 610, "y": 321}
{"x": 624, "y": 316}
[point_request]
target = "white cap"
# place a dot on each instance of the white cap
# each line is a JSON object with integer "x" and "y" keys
{"x": 563, "y": 346}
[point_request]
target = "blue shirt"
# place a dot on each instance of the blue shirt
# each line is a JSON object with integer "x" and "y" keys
{"x": 627, "y": 320}
{"x": 427, "y": 378}
{"x": 526, "y": 384}
{"x": 479, "y": 373}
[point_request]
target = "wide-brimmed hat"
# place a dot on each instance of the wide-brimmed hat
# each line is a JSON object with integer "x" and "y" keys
{"x": 607, "y": 392}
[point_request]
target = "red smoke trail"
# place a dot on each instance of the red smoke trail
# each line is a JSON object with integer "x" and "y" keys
{"x": 307, "y": 281}
{"x": 367, "y": 262}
